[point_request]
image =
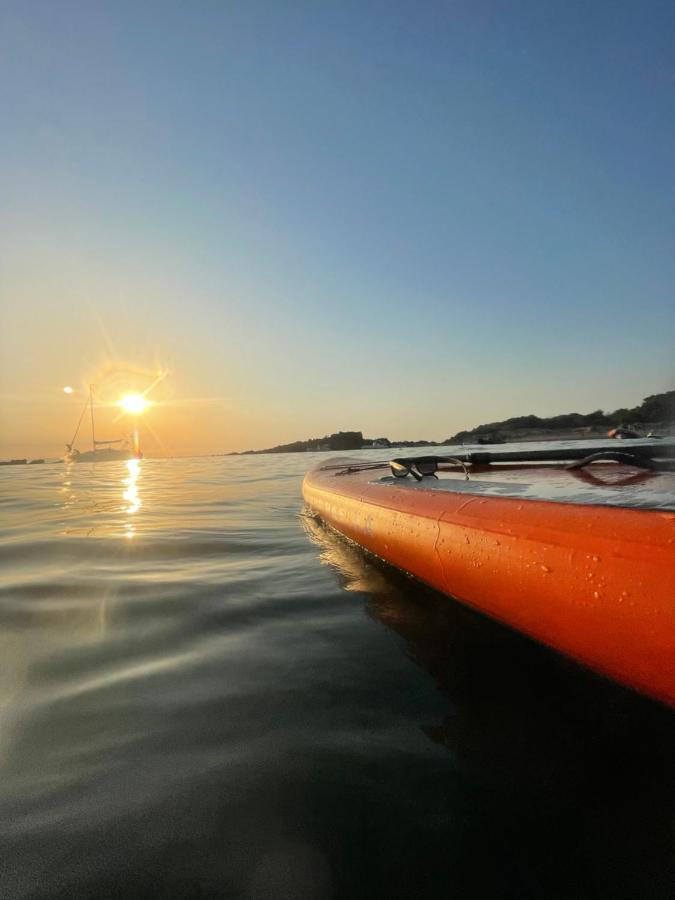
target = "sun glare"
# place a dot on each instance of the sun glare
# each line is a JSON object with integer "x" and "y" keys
{"x": 67, "y": 389}
{"x": 134, "y": 404}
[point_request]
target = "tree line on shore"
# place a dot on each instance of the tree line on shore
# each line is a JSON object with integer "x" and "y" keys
{"x": 655, "y": 410}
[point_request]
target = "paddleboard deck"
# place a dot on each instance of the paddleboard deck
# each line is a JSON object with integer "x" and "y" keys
{"x": 607, "y": 485}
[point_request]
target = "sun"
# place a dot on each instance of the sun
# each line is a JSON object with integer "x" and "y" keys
{"x": 134, "y": 404}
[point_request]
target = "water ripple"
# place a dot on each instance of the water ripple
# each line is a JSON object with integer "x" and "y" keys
{"x": 204, "y": 694}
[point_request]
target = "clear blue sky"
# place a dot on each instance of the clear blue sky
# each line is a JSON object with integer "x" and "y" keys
{"x": 407, "y": 218}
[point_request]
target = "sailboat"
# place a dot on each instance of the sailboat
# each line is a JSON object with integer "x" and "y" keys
{"x": 102, "y": 451}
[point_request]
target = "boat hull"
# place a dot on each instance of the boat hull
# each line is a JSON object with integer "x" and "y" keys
{"x": 595, "y": 582}
{"x": 101, "y": 456}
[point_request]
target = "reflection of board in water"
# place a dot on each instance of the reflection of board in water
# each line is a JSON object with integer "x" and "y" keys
{"x": 573, "y": 773}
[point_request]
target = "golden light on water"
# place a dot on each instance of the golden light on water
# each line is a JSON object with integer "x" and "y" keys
{"x": 134, "y": 404}
{"x": 130, "y": 494}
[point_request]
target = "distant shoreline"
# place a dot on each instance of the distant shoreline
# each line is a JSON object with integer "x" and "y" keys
{"x": 655, "y": 415}
{"x": 511, "y": 437}
{"x": 505, "y": 437}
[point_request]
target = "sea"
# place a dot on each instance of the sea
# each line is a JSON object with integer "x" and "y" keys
{"x": 205, "y": 692}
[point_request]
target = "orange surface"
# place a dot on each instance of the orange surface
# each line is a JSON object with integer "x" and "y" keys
{"x": 595, "y": 582}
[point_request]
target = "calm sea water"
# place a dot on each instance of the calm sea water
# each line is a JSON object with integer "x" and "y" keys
{"x": 204, "y": 693}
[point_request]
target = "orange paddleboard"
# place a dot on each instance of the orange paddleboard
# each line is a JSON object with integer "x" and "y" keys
{"x": 583, "y": 561}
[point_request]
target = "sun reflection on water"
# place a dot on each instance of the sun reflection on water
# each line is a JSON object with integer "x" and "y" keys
{"x": 130, "y": 494}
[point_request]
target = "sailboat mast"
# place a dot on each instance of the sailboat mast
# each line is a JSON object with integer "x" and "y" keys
{"x": 91, "y": 409}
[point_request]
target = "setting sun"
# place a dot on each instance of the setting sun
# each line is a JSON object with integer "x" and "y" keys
{"x": 134, "y": 404}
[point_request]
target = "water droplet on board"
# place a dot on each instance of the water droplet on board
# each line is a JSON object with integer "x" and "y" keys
{"x": 596, "y": 594}
{"x": 545, "y": 569}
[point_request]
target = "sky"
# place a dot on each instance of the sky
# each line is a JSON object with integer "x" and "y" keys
{"x": 402, "y": 218}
